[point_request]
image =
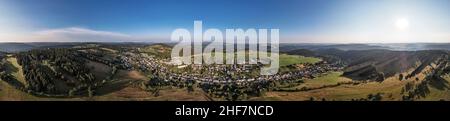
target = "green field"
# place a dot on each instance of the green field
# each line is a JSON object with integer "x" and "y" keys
{"x": 286, "y": 59}
{"x": 158, "y": 50}
{"x": 390, "y": 89}
{"x": 330, "y": 78}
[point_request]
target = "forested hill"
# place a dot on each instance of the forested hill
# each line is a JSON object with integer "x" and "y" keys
{"x": 376, "y": 64}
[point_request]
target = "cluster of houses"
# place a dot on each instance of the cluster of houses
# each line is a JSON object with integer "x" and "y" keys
{"x": 126, "y": 59}
{"x": 222, "y": 73}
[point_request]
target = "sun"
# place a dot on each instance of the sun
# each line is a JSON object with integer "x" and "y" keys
{"x": 402, "y": 24}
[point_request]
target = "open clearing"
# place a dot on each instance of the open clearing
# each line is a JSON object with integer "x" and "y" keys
{"x": 100, "y": 71}
{"x": 130, "y": 75}
{"x": 286, "y": 59}
{"x": 16, "y": 70}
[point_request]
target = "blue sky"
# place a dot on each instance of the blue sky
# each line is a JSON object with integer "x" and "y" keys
{"x": 303, "y": 21}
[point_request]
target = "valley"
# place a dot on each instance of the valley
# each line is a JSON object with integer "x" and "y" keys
{"x": 144, "y": 72}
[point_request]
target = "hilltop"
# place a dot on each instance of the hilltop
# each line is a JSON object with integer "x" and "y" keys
{"x": 160, "y": 50}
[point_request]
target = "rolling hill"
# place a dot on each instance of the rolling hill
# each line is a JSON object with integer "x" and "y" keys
{"x": 376, "y": 64}
{"x": 14, "y": 47}
{"x": 160, "y": 50}
{"x": 20, "y": 47}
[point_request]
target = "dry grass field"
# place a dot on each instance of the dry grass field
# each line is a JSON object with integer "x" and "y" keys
{"x": 390, "y": 89}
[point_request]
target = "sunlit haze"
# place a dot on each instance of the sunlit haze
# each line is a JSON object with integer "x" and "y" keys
{"x": 402, "y": 24}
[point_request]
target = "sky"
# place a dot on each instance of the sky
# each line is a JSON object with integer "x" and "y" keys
{"x": 299, "y": 21}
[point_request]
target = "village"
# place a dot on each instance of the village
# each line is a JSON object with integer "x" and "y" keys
{"x": 220, "y": 73}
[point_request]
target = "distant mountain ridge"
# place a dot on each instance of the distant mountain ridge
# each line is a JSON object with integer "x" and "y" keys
{"x": 286, "y": 47}
{"x": 2, "y": 54}
{"x": 14, "y": 47}
{"x": 19, "y": 47}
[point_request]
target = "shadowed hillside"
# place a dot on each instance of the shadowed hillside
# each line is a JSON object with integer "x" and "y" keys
{"x": 376, "y": 64}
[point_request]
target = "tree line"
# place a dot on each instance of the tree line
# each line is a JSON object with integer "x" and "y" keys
{"x": 43, "y": 69}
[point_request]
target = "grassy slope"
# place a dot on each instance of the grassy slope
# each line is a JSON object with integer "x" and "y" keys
{"x": 391, "y": 88}
{"x": 18, "y": 72}
{"x": 9, "y": 93}
{"x": 330, "y": 78}
{"x": 296, "y": 59}
{"x": 158, "y": 50}
{"x": 100, "y": 71}
{"x": 438, "y": 94}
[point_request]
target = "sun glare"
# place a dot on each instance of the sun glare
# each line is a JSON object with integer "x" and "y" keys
{"x": 402, "y": 24}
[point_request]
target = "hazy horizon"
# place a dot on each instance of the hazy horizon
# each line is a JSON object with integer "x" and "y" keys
{"x": 170, "y": 42}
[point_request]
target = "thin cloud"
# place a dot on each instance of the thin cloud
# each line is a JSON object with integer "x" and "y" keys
{"x": 76, "y": 34}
